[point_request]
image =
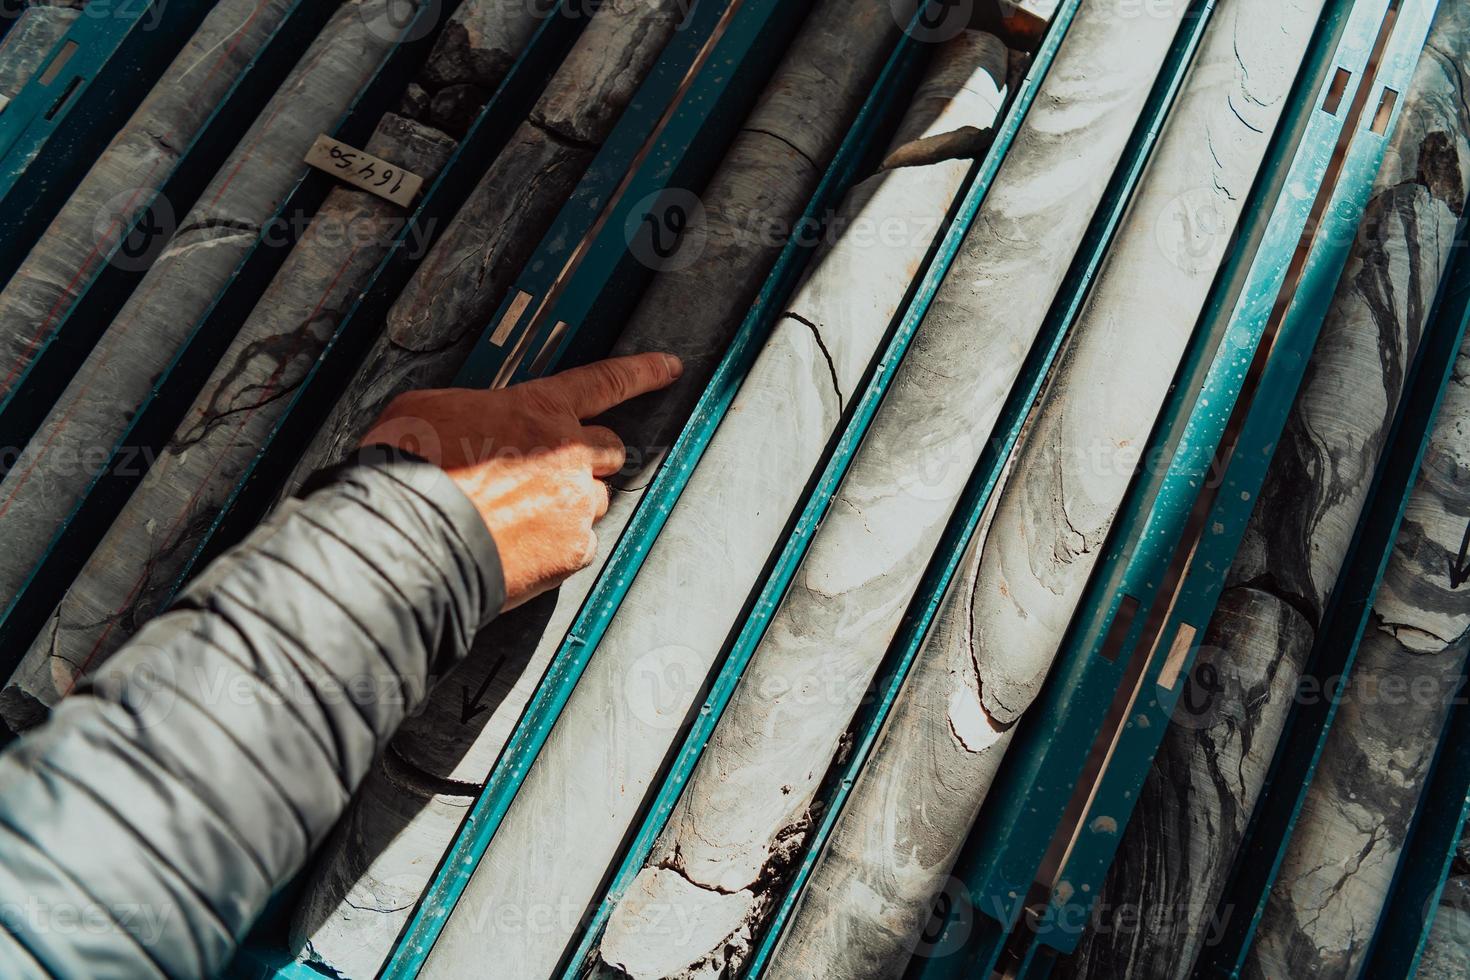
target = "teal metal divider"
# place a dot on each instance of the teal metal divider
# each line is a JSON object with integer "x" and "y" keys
{"x": 174, "y": 390}
{"x": 79, "y": 97}
{"x": 1038, "y": 881}
{"x": 572, "y": 657}
{"x": 587, "y": 273}
{"x": 69, "y": 333}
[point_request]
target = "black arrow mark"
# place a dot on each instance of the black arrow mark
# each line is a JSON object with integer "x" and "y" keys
{"x": 471, "y": 706}
{"x": 1459, "y": 573}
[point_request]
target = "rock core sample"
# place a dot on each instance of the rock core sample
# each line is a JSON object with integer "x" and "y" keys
{"x": 121, "y": 184}
{"x": 133, "y": 571}
{"x": 1179, "y": 847}
{"x": 1324, "y": 906}
{"x": 379, "y": 862}
{"x": 52, "y": 474}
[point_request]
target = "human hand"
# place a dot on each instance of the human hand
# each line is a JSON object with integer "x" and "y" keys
{"x": 525, "y": 459}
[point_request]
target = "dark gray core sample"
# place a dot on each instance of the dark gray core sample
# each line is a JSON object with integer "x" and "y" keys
{"x": 134, "y": 571}
{"x": 1327, "y": 898}
{"x": 1193, "y": 810}
{"x": 54, "y": 471}
{"x": 121, "y": 184}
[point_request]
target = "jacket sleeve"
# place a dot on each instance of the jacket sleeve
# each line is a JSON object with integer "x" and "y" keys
{"x": 144, "y": 827}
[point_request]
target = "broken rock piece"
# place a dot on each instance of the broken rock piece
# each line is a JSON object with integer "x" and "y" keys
{"x": 482, "y": 41}
{"x": 666, "y": 926}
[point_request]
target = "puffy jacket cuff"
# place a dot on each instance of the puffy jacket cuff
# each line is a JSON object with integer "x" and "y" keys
{"x": 440, "y": 492}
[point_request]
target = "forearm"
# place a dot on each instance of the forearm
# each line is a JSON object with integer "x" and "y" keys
{"x": 146, "y": 825}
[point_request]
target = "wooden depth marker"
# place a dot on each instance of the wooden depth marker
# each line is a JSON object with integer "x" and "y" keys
{"x": 360, "y": 169}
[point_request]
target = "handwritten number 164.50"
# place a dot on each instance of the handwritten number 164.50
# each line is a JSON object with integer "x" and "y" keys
{"x": 347, "y": 160}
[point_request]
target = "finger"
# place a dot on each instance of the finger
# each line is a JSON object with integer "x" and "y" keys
{"x": 588, "y": 496}
{"x": 603, "y": 501}
{"x": 608, "y": 454}
{"x": 594, "y": 388}
{"x": 589, "y": 553}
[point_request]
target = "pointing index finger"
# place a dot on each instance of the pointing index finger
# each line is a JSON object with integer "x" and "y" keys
{"x": 594, "y": 388}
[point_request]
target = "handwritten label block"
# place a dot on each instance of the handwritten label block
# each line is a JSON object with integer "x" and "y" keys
{"x": 390, "y": 182}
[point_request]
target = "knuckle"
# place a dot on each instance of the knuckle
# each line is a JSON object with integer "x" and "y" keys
{"x": 535, "y": 402}
{"x": 614, "y": 381}
{"x": 570, "y": 495}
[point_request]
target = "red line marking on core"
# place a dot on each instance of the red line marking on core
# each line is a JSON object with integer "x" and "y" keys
{"x": 174, "y": 529}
